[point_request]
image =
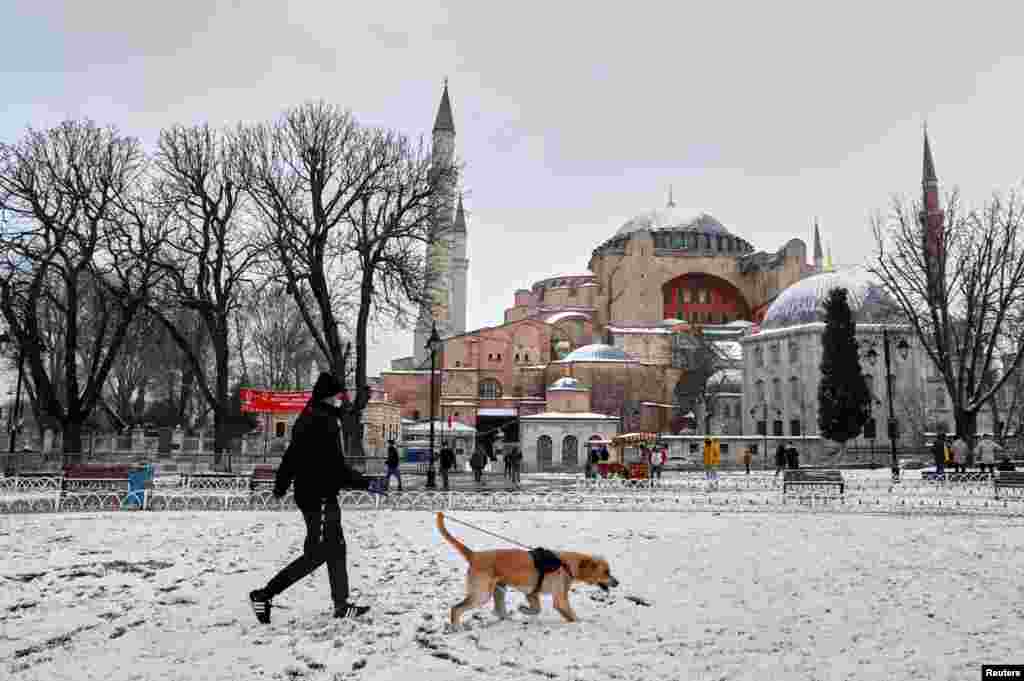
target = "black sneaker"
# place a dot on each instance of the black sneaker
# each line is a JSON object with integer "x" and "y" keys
{"x": 350, "y": 611}
{"x": 260, "y": 605}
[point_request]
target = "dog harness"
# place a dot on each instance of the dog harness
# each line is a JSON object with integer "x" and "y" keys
{"x": 546, "y": 561}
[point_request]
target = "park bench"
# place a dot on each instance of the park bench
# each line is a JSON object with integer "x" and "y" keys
{"x": 812, "y": 479}
{"x": 88, "y": 477}
{"x": 1010, "y": 480}
{"x": 971, "y": 476}
{"x": 215, "y": 481}
{"x": 262, "y": 478}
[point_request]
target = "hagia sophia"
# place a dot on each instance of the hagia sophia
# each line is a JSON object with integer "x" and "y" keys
{"x": 583, "y": 355}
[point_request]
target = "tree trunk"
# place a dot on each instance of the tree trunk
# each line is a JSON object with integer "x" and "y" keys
{"x": 221, "y": 441}
{"x": 966, "y": 423}
{"x": 72, "y": 444}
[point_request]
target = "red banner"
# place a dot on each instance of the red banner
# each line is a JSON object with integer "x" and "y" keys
{"x": 274, "y": 401}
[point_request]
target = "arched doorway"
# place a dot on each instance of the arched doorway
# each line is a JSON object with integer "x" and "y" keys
{"x": 701, "y": 298}
{"x": 570, "y": 452}
{"x": 543, "y": 453}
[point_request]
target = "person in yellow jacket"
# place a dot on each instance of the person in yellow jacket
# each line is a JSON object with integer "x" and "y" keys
{"x": 712, "y": 458}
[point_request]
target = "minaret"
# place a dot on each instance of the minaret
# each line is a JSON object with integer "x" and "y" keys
{"x": 932, "y": 219}
{"x": 817, "y": 247}
{"x": 460, "y": 267}
{"x": 439, "y": 251}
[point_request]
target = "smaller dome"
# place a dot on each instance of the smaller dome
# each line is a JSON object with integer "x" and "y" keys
{"x": 804, "y": 301}
{"x": 597, "y": 352}
{"x": 566, "y": 383}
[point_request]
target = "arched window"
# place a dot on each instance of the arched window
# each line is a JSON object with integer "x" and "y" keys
{"x": 490, "y": 389}
{"x": 543, "y": 453}
{"x": 570, "y": 452}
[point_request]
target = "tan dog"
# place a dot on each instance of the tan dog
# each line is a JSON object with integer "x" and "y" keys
{"x": 491, "y": 572}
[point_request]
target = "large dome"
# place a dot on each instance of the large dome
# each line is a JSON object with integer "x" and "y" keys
{"x": 668, "y": 218}
{"x": 804, "y": 301}
{"x": 597, "y": 352}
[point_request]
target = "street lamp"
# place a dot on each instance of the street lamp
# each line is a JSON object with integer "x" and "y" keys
{"x": 764, "y": 433}
{"x": 432, "y": 344}
{"x": 12, "y": 419}
{"x": 903, "y": 347}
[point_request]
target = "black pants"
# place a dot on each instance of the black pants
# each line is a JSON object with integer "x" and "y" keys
{"x": 508, "y": 467}
{"x": 478, "y": 474}
{"x": 444, "y": 478}
{"x": 325, "y": 543}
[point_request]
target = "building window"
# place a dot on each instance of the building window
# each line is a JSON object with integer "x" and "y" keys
{"x": 776, "y": 353}
{"x": 794, "y": 351}
{"x": 762, "y": 428}
{"x": 490, "y": 389}
{"x": 458, "y": 364}
{"x": 776, "y": 390}
{"x": 759, "y": 391}
{"x": 759, "y": 355}
{"x": 794, "y": 427}
{"x": 517, "y": 356}
{"x": 490, "y": 355}
{"x": 794, "y": 390}
{"x": 777, "y": 428}
{"x": 572, "y": 292}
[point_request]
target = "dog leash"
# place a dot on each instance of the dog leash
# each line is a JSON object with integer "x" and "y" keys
{"x": 480, "y": 529}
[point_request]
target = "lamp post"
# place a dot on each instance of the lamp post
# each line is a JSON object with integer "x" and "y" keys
{"x": 893, "y": 426}
{"x": 13, "y": 415}
{"x": 432, "y": 344}
{"x": 764, "y": 433}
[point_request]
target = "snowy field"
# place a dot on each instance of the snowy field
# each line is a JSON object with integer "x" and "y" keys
{"x": 162, "y": 596}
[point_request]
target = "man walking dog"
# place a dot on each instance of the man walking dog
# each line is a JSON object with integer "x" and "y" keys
{"x": 315, "y": 462}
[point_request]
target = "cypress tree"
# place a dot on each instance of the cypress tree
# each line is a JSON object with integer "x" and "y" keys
{"x": 843, "y": 398}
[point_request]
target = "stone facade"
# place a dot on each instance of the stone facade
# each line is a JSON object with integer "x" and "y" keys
{"x": 553, "y": 441}
{"x": 382, "y": 421}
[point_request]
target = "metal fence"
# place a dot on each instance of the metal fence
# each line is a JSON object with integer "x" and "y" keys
{"x": 729, "y": 494}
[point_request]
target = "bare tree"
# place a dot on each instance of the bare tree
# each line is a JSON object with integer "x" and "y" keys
{"x": 278, "y": 340}
{"x": 81, "y": 239}
{"x": 349, "y": 212}
{"x": 209, "y": 255}
{"x": 964, "y": 302}
{"x": 702, "y": 360}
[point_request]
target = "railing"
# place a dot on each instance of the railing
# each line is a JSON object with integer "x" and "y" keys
{"x": 765, "y": 496}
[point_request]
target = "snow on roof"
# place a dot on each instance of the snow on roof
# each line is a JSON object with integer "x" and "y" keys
{"x": 456, "y": 427}
{"x": 731, "y": 349}
{"x": 640, "y": 329}
{"x": 559, "y": 316}
{"x": 584, "y": 415}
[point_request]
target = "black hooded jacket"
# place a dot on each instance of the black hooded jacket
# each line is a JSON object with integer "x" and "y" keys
{"x": 314, "y": 459}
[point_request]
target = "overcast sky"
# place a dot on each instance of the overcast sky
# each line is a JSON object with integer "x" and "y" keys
{"x": 572, "y": 117}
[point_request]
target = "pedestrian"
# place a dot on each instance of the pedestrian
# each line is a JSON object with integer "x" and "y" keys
{"x": 517, "y": 464}
{"x": 987, "y": 450}
{"x": 392, "y": 466}
{"x": 315, "y": 463}
{"x": 659, "y": 458}
{"x": 748, "y": 457}
{"x": 960, "y": 450}
{"x": 447, "y": 463}
{"x": 792, "y": 457}
{"x": 780, "y": 459}
{"x": 508, "y": 463}
{"x": 712, "y": 457}
{"x": 477, "y": 463}
{"x": 939, "y": 453}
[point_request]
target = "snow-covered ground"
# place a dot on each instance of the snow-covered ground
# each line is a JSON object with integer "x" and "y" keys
{"x": 162, "y": 596}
